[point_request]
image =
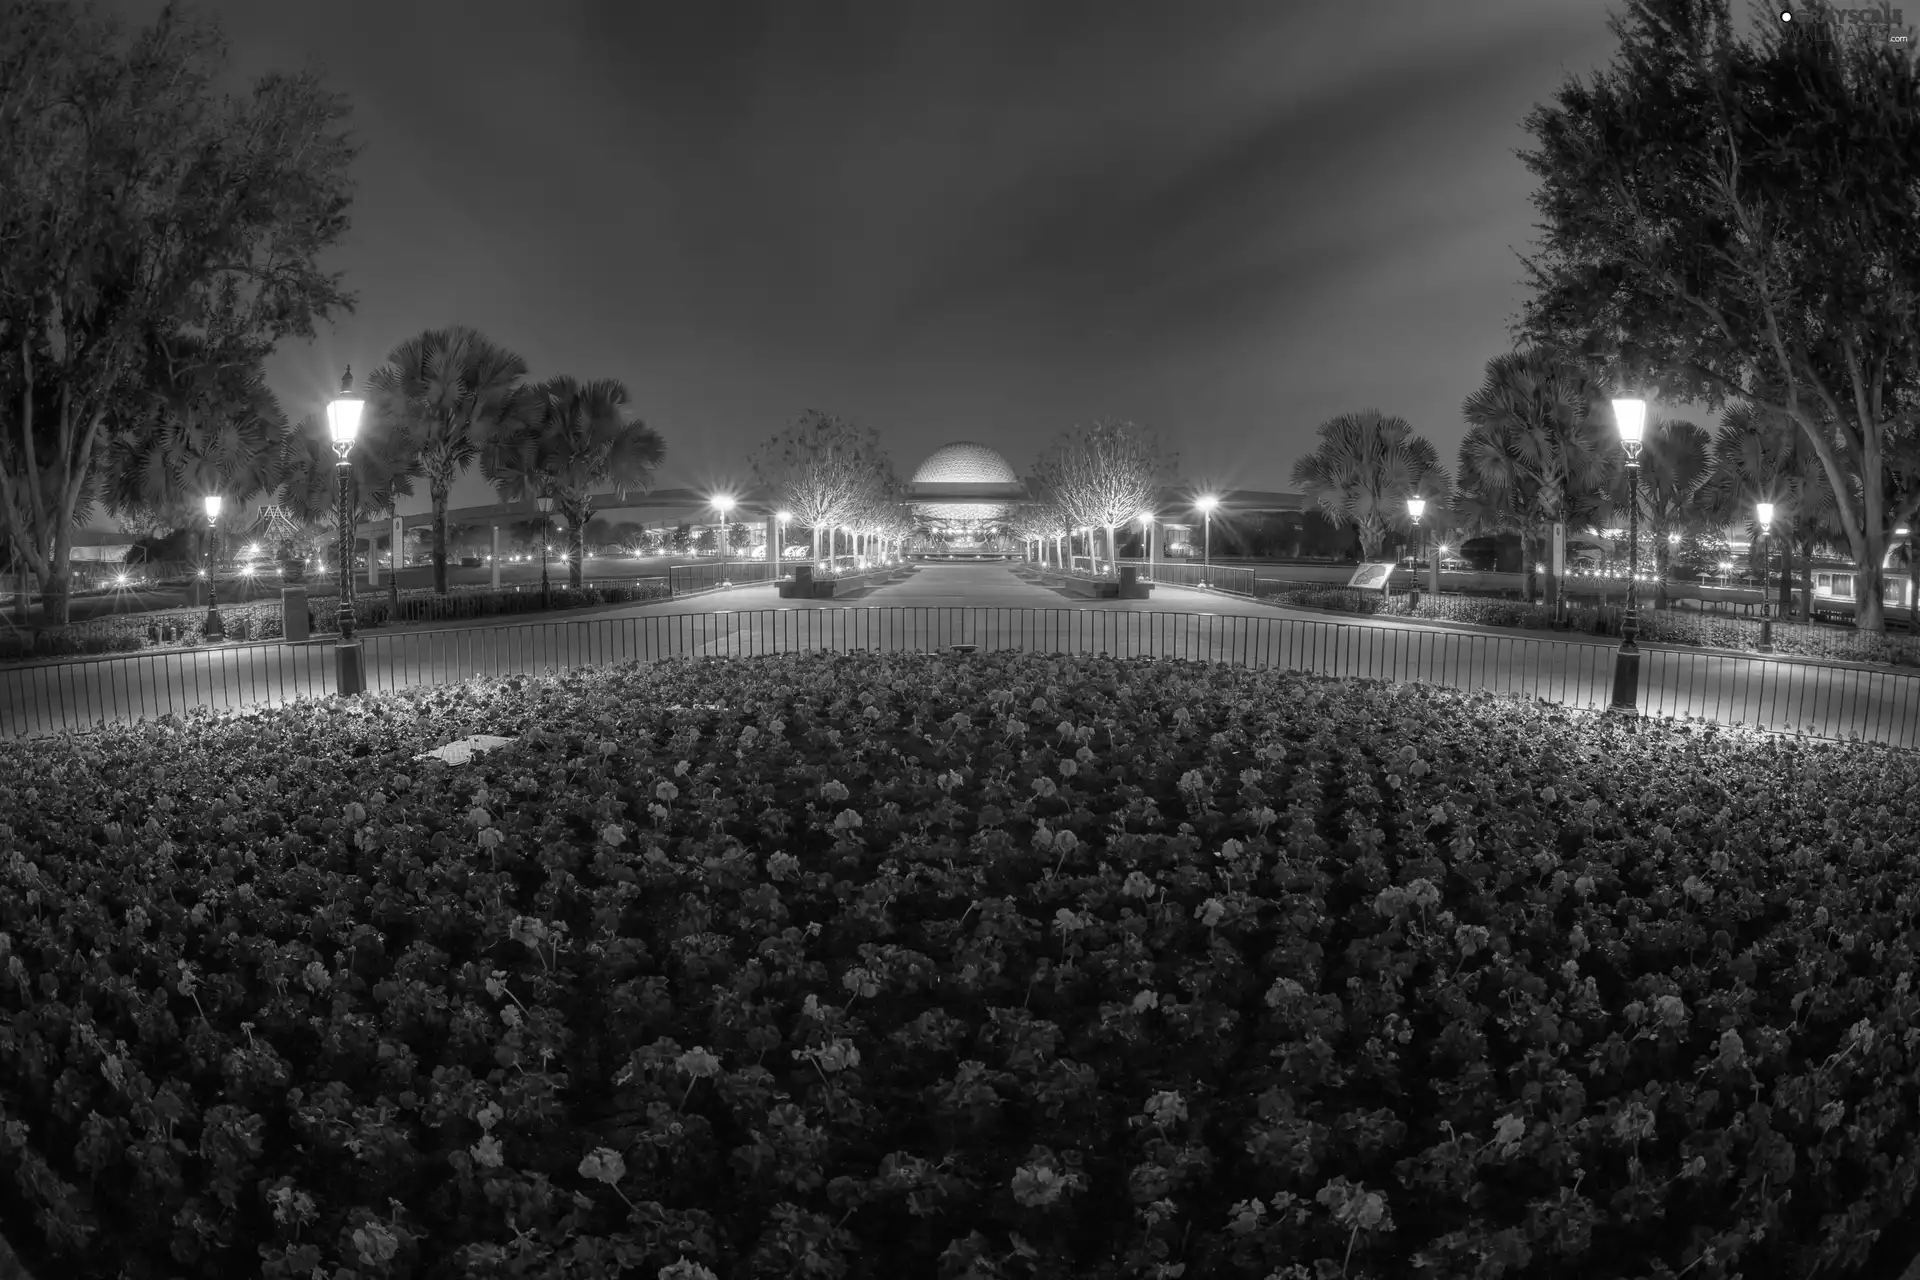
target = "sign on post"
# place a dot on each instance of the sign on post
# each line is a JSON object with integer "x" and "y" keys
{"x": 1371, "y": 577}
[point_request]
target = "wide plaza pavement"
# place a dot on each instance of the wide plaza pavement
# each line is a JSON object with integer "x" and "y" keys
{"x": 990, "y": 606}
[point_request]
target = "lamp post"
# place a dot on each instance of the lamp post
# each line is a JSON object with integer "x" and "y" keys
{"x": 1416, "y": 507}
{"x": 723, "y": 504}
{"x": 780, "y": 552}
{"x": 1146, "y": 536}
{"x": 1913, "y": 579}
{"x": 1206, "y": 504}
{"x": 343, "y": 424}
{"x": 545, "y": 504}
{"x": 214, "y": 628}
{"x": 1764, "y": 510}
{"x": 1631, "y": 413}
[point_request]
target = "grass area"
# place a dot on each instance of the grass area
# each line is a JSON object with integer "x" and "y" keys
{"x": 998, "y": 965}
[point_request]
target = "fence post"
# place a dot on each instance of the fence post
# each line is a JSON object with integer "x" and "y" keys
{"x": 293, "y": 614}
{"x": 1626, "y": 677}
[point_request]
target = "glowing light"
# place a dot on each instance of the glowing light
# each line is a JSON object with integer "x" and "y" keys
{"x": 120, "y": 581}
{"x": 1631, "y": 413}
{"x": 1206, "y": 503}
{"x": 1765, "y": 511}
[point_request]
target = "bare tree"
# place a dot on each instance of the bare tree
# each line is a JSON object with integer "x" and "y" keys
{"x": 1104, "y": 474}
{"x": 822, "y": 469}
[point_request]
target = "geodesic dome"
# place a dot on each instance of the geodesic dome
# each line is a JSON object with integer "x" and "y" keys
{"x": 963, "y": 462}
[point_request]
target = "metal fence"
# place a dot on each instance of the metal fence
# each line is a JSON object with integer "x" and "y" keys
{"x": 1780, "y": 695}
{"x": 1217, "y": 577}
{"x": 687, "y": 578}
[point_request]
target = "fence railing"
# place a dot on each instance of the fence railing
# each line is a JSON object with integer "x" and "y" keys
{"x": 1218, "y": 577}
{"x": 685, "y": 578}
{"x": 1799, "y": 697}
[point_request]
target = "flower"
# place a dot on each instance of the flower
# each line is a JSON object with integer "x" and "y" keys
{"x": 782, "y": 866}
{"x": 613, "y": 834}
{"x": 1136, "y": 885}
{"x": 1210, "y": 913}
{"x": 1146, "y": 1000}
{"x": 846, "y": 820}
{"x": 486, "y": 1152}
{"x": 833, "y": 789}
{"x": 1508, "y": 1133}
{"x": 375, "y": 1243}
{"x": 1671, "y": 1010}
{"x": 666, "y": 791}
{"x": 685, "y": 1270}
{"x": 1166, "y": 1108}
{"x": 603, "y": 1164}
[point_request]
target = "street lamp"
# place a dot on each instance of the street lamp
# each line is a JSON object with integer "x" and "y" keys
{"x": 1764, "y": 510}
{"x": 1631, "y": 413}
{"x": 343, "y": 424}
{"x": 213, "y": 628}
{"x": 780, "y": 552}
{"x": 1416, "y": 507}
{"x": 723, "y": 504}
{"x": 545, "y": 504}
{"x": 1206, "y": 504}
{"x": 1146, "y": 536}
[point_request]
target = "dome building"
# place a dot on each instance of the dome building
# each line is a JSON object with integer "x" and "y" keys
{"x": 964, "y": 483}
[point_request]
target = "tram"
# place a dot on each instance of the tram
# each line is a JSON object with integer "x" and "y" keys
{"x": 1835, "y": 590}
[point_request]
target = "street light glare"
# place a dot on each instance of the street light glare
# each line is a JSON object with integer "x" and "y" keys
{"x": 1631, "y": 412}
{"x": 212, "y": 504}
{"x": 1207, "y": 502}
{"x": 783, "y": 516}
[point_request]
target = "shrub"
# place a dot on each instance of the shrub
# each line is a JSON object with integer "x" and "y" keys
{"x": 998, "y": 965}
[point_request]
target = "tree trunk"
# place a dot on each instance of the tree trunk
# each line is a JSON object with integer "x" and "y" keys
{"x": 439, "y": 540}
{"x": 576, "y": 552}
{"x": 1531, "y": 577}
{"x": 1662, "y": 558}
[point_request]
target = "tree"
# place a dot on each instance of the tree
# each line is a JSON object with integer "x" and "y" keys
{"x": 1104, "y": 474}
{"x": 1364, "y": 469}
{"x": 1675, "y": 466}
{"x": 682, "y": 538}
{"x": 382, "y": 467}
{"x": 822, "y": 469}
{"x": 1730, "y": 219}
{"x": 140, "y": 202}
{"x": 192, "y": 426}
{"x": 1535, "y": 447}
{"x": 1760, "y": 455}
{"x": 565, "y": 440}
{"x": 447, "y": 390}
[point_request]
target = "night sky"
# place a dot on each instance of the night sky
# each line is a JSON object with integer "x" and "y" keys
{"x": 945, "y": 220}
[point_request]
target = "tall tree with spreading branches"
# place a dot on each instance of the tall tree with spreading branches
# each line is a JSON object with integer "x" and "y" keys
{"x": 139, "y": 200}
{"x": 1730, "y": 217}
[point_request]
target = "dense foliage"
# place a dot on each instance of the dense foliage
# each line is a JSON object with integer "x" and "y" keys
{"x": 997, "y": 965}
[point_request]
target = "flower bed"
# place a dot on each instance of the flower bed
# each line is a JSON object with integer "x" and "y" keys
{"x": 936, "y": 966}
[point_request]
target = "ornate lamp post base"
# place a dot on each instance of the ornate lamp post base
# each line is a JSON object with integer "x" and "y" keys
{"x": 350, "y": 668}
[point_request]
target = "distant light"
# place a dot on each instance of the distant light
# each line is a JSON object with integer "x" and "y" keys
{"x": 203, "y": 573}
{"x": 1674, "y": 538}
{"x": 120, "y": 581}
{"x": 247, "y": 569}
{"x": 783, "y": 516}
{"x": 1206, "y": 503}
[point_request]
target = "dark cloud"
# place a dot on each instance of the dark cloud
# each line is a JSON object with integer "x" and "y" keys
{"x": 982, "y": 220}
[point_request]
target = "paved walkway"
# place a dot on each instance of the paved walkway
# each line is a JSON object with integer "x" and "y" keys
{"x": 990, "y": 607}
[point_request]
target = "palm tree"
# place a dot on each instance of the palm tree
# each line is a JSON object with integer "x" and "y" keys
{"x": 199, "y": 427}
{"x": 565, "y": 440}
{"x": 1364, "y": 469}
{"x": 1759, "y": 456}
{"x": 1534, "y": 447}
{"x": 1676, "y": 464}
{"x": 448, "y": 390}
